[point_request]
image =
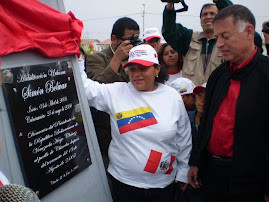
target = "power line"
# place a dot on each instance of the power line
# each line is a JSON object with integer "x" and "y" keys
{"x": 186, "y": 15}
{"x": 146, "y": 13}
{"x": 104, "y": 18}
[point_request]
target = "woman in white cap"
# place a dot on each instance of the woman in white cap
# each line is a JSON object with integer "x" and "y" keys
{"x": 151, "y": 134}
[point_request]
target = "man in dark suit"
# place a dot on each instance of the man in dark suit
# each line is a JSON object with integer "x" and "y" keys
{"x": 233, "y": 150}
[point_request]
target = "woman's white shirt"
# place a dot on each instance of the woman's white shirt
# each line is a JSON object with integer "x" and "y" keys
{"x": 151, "y": 133}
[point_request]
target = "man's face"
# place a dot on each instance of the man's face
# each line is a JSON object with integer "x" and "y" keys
{"x": 155, "y": 43}
{"x": 207, "y": 17}
{"x": 233, "y": 40}
{"x": 188, "y": 100}
{"x": 200, "y": 101}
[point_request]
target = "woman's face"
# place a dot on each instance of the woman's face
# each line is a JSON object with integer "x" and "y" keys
{"x": 170, "y": 56}
{"x": 200, "y": 101}
{"x": 142, "y": 77}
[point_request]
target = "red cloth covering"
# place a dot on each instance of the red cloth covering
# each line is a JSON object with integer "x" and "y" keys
{"x": 30, "y": 24}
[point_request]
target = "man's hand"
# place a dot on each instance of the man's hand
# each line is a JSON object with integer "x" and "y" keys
{"x": 120, "y": 55}
{"x": 192, "y": 174}
{"x": 183, "y": 186}
{"x": 123, "y": 50}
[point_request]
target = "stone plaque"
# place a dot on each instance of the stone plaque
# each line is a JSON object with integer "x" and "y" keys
{"x": 47, "y": 124}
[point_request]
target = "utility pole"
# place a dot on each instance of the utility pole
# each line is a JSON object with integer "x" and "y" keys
{"x": 143, "y": 15}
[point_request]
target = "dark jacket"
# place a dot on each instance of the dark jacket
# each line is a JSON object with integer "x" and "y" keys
{"x": 194, "y": 127}
{"x": 251, "y": 138}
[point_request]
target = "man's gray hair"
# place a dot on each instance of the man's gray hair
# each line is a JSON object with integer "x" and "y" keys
{"x": 240, "y": 14}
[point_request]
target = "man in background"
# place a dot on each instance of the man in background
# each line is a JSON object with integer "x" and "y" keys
{"x": 201, "y": 54}
{"x": 233, "y": 150}
{"x": 152, "y": 37}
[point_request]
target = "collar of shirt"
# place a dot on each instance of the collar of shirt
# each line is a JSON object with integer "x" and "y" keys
{"x": 202, "y": 36}
{"x": 172, "y": 73}
{"x": 112, "y": 49}
{"x": 234, "y": 68}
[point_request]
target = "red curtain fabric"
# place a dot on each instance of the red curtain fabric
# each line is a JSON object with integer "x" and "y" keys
{"x": 30, "y": 24}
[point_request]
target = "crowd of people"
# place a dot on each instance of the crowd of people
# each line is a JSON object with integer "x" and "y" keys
{"x": 182, "y": 124}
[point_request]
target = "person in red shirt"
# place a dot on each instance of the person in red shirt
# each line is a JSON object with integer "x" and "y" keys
{"x": 233, "y": 150}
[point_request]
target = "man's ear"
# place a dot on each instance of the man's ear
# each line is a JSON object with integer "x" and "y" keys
{"x": 250, "y": 31}
{"x": 114, "y": 39}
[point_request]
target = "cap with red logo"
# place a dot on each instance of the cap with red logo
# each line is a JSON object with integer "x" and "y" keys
{"x": 143, "y": 54}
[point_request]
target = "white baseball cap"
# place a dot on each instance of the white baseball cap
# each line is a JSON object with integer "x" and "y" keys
{"x": 183, "y": 85}
{"x": 143, "y": 54}
{"x": 151, "y": 32}
{"x": 197, "y": 89}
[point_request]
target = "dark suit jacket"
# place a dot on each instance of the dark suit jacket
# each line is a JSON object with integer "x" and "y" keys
{"x": 250, "y": 169}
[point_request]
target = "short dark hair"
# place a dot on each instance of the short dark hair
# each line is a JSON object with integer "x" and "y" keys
{"x": 122, "y": 24}
{"x": 258, "y": 41}
{"x": 205, "y": 6}
{"x": 238, "y": 12}
{"x": 162, "y": 76}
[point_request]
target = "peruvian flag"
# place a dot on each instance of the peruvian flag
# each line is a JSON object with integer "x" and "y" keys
{"x": 154, "y": 160}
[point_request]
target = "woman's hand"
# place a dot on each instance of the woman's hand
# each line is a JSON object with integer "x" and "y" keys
{"x": 182, "y": 185}
{"x": 192, "y": 174}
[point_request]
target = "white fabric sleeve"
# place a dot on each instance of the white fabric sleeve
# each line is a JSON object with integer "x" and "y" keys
{"x": 184, "y": 144}
{"x": 3, "y": 179}
{"x": 96, "y": 93}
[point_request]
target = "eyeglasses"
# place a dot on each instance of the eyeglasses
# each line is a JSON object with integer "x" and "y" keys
{"x": 133, "y": 37}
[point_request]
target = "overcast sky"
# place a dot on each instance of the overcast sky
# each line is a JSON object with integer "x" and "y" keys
{"x": 98, "y": 16}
